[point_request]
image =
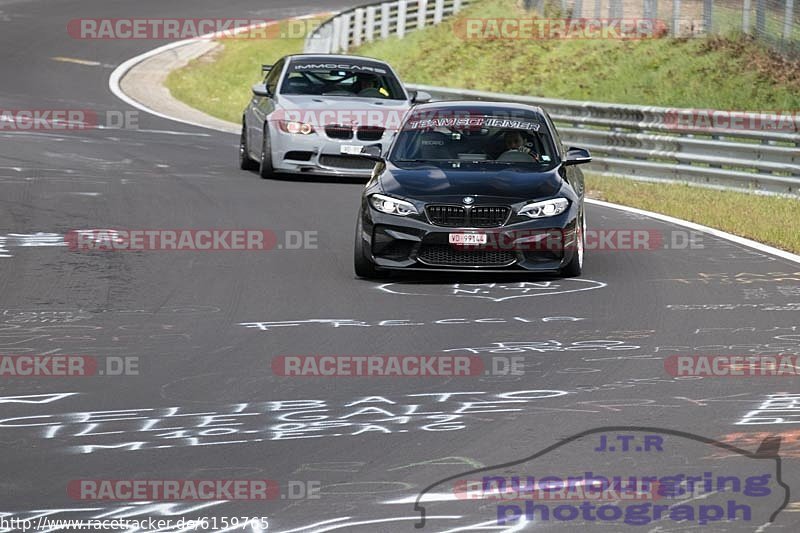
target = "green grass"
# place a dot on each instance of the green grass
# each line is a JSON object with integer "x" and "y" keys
{"x": 768, "y": 219}
{"x": 219, "y": 84}
{"x": 721, "y": 73}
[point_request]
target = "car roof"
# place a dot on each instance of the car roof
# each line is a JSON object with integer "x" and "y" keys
{"x": 333, "y": 57}
{"x": 477, "y": 106}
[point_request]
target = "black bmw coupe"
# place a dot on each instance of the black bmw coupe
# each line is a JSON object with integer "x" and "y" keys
{"x": 468, "y": 186}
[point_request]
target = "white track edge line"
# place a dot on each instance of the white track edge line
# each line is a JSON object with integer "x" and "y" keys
{"x": 118, "y": 73}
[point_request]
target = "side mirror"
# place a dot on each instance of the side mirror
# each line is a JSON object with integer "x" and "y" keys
{"x": 420, "y": 97}
{"x": 260, "y": 89}
{"x": 577, "y": 156}
{"x": 372, "y": 151}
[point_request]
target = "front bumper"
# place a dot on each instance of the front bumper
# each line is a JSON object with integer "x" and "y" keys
{"x": 318, "y": 155}
{"x": 406, "y": 243}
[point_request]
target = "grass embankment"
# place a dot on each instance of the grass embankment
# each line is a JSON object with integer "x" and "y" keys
{"x": 768, "y": 219}
{"x": 716, "y": 73}
{"x": 701, "y": 73}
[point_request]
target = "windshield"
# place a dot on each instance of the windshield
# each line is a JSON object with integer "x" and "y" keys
{"x": 355, "y": 79}
{"x": 493, "y": 139}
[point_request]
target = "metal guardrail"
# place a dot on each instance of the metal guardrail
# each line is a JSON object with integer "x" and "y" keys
{"x": 381, "y": 20}
{"x": 633, "y": 141}
{"x": 649, "y": 142}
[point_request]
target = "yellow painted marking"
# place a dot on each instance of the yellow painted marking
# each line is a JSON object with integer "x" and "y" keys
{"x": 76, "y": 61}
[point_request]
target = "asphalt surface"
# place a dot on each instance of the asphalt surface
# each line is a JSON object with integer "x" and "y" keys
{"x": 206, "y": 403}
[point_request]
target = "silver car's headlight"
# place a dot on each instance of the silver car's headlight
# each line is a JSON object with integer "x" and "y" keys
{"x": 546, "y": 208}
{"x": 293, "y": 126}
{"x": 392, "y": 206}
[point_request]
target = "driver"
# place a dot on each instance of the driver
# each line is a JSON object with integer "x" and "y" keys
{"x": 368, "y": 85}
{"x": 516, "y": 143}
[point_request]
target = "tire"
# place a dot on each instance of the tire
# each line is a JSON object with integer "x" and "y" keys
{"x": 245, "y": 161}
{"x": 265, "y": 168}
{"x": 575, "y": 267}
{"x": 362, "y": 264}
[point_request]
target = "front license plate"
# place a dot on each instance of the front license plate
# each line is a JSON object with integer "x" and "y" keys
{"x": 350, "y": 149}
{"x": 467, "y": 238}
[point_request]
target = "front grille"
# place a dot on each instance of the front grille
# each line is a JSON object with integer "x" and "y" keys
{"x": 488, "y": 216}
{"x": 447, "y": 215}
{"x": 339, "y": 131}
{"x": 346, "y": 161}
{"x": 453, "y": 216}
{"x": 442, "y": 254}
{"x": 370, "y": 133}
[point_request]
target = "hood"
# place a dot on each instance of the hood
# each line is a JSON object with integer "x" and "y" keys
{"x": 428, "y": 182}
{"x": 322, "y": 110}
{"x": 312, "y": 102}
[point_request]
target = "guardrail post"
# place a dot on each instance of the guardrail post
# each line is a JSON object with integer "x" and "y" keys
{"x": 385, "y": 20}
{"x": 336, "y": 36}
{"x": 344, "y": 41}
{"x": 761, "y": 18}
{"x": 615, "y": 9}
{"x": 746, "y": 16}
{"x": 358, "y": 27}
{"x": 788, "y": 20}
{"x": 369, "y": 26}
{"x": 438, "y": 11}
{"x": 676, "y": 18}
{"x": 708, "y": 7}
{"x": 456, "y": 6}
{"x": 402, "y": 7}
{"x": 422, "y": 11}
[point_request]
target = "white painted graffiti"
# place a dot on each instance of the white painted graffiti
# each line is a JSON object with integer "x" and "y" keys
{"x": 345, "y": 322}
{"x": 727, "y": 278}
{"x": 172, "y": 427}
{"x": 788, "y": 346}
{"x": 761, "y": 293}
{"x": 548, "y": 346}
{"x": 19, "y": 316}
{"x": 736, "y": 307}
{"x": 747, "y": 329}
{"x": 496, "y": 292}
{"x": 780, "y": 408}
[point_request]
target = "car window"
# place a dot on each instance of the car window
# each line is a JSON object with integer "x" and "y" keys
{"x": 351, "y": 79}
{"x": 271, "y": 81}
{"x": 494, "y": 139}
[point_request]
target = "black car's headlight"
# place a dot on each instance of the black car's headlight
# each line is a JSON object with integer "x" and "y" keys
{"x": 545, "y": 208}
{"x": 392, "y": 206}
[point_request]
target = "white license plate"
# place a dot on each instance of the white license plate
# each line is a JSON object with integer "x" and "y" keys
{"x": 467, "y": 238}
{"x": 350, "y": 149}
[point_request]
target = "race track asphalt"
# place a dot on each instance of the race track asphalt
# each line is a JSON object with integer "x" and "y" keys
{"x": 205, "y": 327}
